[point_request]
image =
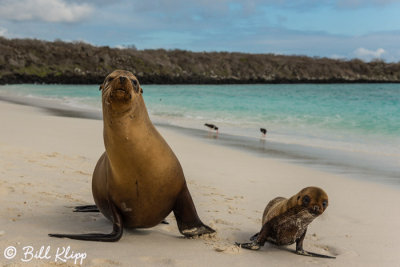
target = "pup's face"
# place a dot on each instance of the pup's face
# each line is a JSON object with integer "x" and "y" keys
{"x": 314, "y": 199}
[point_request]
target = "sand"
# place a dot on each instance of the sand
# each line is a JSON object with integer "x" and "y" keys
{"x": 46, "y": 164}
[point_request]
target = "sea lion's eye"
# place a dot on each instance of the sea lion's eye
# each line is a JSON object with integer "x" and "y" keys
{"x": 135, "y": 85}
{"x": 306, "y": 200}
{"x": 324, "y": 204}
{"x": 110, "y": 79}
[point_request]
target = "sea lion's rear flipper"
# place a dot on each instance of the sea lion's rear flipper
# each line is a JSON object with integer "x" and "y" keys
{"x": 251, "y": 245}
{"x": 189, "y": 223}
{"x": 86, "y": 208}
{"x": 114, "y": 236}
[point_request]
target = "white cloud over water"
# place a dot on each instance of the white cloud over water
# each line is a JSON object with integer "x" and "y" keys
{"x": 44, "y": 10}
{"x": 322, "y": 28}
{"x": 367, "y": 54}
{"x": 3, "y": 32}
{"x": 362, "y": 3}
{"x": 252, "y": 6}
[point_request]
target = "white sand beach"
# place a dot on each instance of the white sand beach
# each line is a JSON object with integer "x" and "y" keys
{"x": 46, "y": 163}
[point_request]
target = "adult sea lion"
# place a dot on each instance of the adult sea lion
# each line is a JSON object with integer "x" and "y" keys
{"x": 138, "y": 180}
{"x": 285, "y": 221}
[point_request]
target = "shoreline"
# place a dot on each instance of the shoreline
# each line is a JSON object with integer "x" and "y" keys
{"x": 336, "y": 162}
{"x": 46, "y": 163}
{"x": 87, "y": 79}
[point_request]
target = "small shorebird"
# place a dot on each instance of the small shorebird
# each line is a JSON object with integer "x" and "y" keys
{"x": 211, "y": 126}
{"x": 263, "y": 131}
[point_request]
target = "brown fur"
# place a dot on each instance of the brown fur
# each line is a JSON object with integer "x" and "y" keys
{"x": 285, "y": 221}
{"x": 139, "y": 172}
{"x": 138, "y": 180}
{"x": 288, "y": 218}
{"x": 280, "y": 205}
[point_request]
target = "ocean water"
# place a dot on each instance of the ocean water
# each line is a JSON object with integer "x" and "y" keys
{"x": 348, "y": 128}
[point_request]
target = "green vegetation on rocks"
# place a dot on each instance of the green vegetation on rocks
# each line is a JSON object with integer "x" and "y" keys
{"x": 30, "y": 61}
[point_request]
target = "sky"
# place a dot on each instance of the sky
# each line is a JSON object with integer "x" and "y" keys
{"x": 343, "y": 29}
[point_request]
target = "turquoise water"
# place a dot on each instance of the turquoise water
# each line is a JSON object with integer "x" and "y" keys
{"x": 354, "y": 118}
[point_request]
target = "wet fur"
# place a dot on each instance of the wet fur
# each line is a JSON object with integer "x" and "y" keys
{"x": 285, "y": 221}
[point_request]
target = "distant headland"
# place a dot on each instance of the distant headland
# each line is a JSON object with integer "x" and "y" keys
{"x": 36, "y": 61}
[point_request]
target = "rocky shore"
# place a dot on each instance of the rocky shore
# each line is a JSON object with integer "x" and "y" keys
{"x": 36, "y": 61}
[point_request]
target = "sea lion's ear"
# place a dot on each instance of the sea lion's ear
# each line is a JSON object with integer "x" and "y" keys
{"x": 141, "y": 90}
{"x": 101, "y": 87}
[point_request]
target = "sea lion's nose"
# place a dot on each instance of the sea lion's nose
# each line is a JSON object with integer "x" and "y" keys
{"x": 316, "y": 208}
{"x": 122, "y": 79}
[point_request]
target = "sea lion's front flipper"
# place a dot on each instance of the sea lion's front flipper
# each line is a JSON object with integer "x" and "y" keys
{"x": 299, "y": 242}
{"x": 312, "y": 254}
{"x": 189, "y": 223}
{"x": 86, "y": 208}
{"x": 114, "y": 236}
{"x": 258, "y": 240}
{"x": 301, "y": 251}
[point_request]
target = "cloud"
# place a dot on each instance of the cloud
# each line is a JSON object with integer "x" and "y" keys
{"x": 336, "y": 56}
{"x": 44, "y": 10}
{"x": 3, "y": 32}
{"x": 255, "y": 26}
{"x": 213, "y": 7}
{"x": 353, "y": 4}
{"x": 366, "y": 54}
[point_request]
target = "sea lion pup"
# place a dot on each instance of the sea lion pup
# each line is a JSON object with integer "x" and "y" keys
{"x": 285, "y": 221}
{"x": 138, "y": 180}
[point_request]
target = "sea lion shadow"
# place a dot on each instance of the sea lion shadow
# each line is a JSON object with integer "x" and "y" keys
{"x": 244, "y": 236}
{"x": 331, "y": 251}
{"x": 152, "y": 231}
{"x": 65, "y": 215}
{"x": 95, "y": 222}
{"x": 138, "y": 232}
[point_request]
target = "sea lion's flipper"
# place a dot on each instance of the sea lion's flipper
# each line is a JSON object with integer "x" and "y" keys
{"x": 251, "y": 245}
{"x": 164, "y": 222}
{"x": 114, "y": 236}
{"x": 299, "y": 242}
{"x": 301, "y": 251}
{"x": 254, "y": 237}
{"x": 312, "y": 254}
{"x": 86, "y": 208}
{"x": 189, "y": 223}
{"x": 258, "y": 240}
